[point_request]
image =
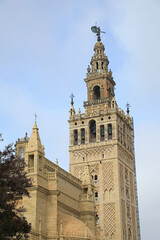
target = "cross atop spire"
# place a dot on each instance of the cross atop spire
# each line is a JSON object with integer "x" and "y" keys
{"x": 128, "y": 106}
{"x": 72, "y": 96}
{"x": 35, "y": 115}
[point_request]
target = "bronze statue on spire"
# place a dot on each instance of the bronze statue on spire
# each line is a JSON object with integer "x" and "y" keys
{"x": 98, "y": 31}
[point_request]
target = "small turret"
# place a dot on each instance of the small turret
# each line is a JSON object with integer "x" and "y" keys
{"x": 34, "y": 143}
{"x": 34, "y": 154}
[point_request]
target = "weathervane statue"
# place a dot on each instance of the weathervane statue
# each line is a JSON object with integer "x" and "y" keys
{"x": 98, "y": 31}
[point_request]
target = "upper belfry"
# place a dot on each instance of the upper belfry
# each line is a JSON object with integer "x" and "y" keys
{"x": 99, "y": 61}
{"x": 99, "y": 81}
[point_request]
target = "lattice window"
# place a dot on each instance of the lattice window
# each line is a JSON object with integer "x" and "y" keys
{"x": 108, "y": 178}
{"x": 109, "y": 219}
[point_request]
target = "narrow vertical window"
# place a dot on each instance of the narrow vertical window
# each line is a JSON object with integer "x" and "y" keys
{"x": 97, "y": 219}
{"x": 102, "y": 65}
{"x": 75, "y": 137}
{"x": 109, "y": 131}
{"x": 96, "y": 92}
{"x": 95, "y": 179}
{"x": 96, "y": 65}
{"x": 102, "y": 132}
{"x": 92, "y": 130}
{"x": 82, "y": 136}
{"x": 21, "y": 153}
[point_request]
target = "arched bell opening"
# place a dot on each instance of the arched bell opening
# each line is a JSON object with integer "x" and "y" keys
{"x": 92, "y": 131}
{"x": 96, "y": 93}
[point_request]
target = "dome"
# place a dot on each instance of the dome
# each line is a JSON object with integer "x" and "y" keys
{"x": 72, "y": 226}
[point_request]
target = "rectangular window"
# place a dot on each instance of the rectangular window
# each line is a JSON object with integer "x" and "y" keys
{"x": 109, "y": 131}
{"x": 75, "y": 137}
{"x": 102, "y": 132}
{"x": 21, "y": 153}
{"x": 31, "y": 161}
{"x": 82, "y": 136}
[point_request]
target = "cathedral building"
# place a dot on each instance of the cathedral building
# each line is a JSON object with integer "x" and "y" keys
{"x": 97, "y": 199}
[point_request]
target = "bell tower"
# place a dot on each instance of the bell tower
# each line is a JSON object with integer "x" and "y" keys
{"x": 102, "y": 139}
{"x": 99, "y": 81}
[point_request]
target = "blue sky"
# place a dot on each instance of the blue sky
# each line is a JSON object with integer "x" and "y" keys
{"x": 45, "y": 48}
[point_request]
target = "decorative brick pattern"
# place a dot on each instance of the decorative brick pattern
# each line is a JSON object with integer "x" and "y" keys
{"x": 134, "y": 223}
{"x": 131, "y": 179}
{"x": 121, "y": 169}
{"x": 94, "y": 167}
{"x": 78, "y": 171}
{"x": 98, "y": 232}
{"x": 108, "y": 179}
{"x": 123, "y": 217}
{"x": 124, "y": 157}
{"x": 109, "y": 219}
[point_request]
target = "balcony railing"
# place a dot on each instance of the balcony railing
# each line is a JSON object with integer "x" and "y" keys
{"x": 96, "y": 101}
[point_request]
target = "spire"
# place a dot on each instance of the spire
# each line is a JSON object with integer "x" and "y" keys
{"x": 34, "y": 141}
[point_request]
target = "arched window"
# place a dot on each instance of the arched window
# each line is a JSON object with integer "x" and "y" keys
{"x": 102, "y": 65}
{"x": 75, "y": 137}
{"x": 96, "y": 65}
{"x": 96, "y": 197}
{"x": 102, "y": 132}
{"x": 96, "y": 92}
{"x": 92, "y": 130}
{"x": 97, "y": 219}
{"x": 109, "y": 131}
{"x": 82, "y": 136}
{"x": 95, "y": 179}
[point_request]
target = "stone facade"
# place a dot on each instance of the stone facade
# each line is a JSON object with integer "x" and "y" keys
{"x": 97, "y": 199}
{"x": 61, "y": 206}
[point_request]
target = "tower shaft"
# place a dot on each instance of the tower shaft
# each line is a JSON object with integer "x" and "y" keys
{"x": 102, "y": 138}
